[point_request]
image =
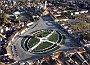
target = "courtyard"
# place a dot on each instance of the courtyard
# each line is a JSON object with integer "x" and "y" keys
{"x": 42, "y": 41}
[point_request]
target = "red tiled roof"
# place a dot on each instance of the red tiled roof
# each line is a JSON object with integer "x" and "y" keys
{"x": 80, "y": 49}
{"x": 58, "y": 54}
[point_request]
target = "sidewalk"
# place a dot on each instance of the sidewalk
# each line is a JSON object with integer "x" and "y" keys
{"x": 9, "y": 53}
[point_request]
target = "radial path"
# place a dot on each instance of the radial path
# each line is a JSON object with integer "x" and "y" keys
{"x": 43, "y": 39}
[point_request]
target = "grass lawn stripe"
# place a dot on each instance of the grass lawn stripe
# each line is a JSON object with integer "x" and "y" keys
{"x": 22, "y": 42}
{"x": 32, "y": 42}
{"x": 43, "y": 45}
{"x": 53, "y": 37}
{"x": 51, "y": 50}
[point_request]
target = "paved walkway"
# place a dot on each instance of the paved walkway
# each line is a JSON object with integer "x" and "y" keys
{"x": 50, "y": 34}
{"x": 43, "y": 39}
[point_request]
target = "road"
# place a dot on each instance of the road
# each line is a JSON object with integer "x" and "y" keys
{"x": 41, "y": 24}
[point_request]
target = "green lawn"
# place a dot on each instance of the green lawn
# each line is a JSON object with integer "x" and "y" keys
{"x": 53, "y": 37}
{"x": 43, "y": 45}
{"x": 63, "y": 40}
{"x": 42, "y": 34}
{"x": 33, "y": 41}
{"x": 57, "y": 47}
{"x": 36, "y": 31}
{"x": 22, "y": 41}
{"x": 52, "y": 50}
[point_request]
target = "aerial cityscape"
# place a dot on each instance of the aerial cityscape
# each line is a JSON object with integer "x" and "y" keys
{"x": 44, "y": 32}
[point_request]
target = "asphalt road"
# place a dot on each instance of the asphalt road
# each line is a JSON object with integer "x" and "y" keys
{"x": 41, "y": 24}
